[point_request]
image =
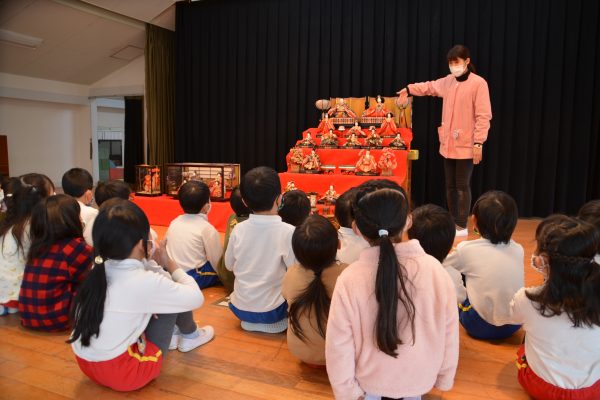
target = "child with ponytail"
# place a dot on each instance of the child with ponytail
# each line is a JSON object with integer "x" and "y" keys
{"x": 393, "y": 327}
{"x": 125, "y": 312}
{"x": 57, "y": 263}
{"x": 25, "y": 193}
{"x": 308, "y": 286}
{"x": 560, "y": 358}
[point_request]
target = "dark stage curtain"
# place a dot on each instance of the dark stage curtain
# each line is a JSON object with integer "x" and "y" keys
{"x": 248, "y": 73}
{"x": 134, "y": 136}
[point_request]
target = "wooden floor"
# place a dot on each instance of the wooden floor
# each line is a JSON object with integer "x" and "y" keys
{"x": 237, "y": 364}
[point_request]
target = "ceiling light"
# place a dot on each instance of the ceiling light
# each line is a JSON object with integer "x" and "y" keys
{"x": 18, "y": 39}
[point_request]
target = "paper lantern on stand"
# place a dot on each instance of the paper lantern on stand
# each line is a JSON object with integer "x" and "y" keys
{"x": 323, "y": 105}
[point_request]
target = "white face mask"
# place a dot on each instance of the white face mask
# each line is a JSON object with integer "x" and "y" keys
{"x": 457, "y": 70}
{"x": 208, "y": 208}
{"x": 543, "y": 269}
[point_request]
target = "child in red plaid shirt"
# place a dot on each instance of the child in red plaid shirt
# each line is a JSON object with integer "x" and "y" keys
{"x": 58, "y": 261}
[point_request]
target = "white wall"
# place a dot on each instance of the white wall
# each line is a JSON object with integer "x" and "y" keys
{"x": 45, "y": 137}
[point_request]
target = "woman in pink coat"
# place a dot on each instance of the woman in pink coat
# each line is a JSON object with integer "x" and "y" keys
{"x": 466, "y": 115}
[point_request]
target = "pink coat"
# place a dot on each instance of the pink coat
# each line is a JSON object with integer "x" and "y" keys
{"x": 356, "y": 366}
{"x": 466, "y": 112}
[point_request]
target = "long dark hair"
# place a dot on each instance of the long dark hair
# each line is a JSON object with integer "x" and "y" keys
{"x": 460, "y": 51}
{"x": 574, "y": 277}
{"x": 53, "y": 219}
{"x": 375, "y": 213}
{"x": 315, "y": 245}
{"x": 118, "y": 228}
{"x": 26, "y": 192}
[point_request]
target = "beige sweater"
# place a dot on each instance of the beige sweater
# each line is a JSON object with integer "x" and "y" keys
{"x": 296, "y": 279}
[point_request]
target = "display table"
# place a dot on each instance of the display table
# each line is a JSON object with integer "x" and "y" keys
{"x": 320, "y": 183}
{"x": 162, "y": 210}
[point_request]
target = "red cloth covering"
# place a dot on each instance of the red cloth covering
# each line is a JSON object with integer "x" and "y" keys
{"x": 162, "y": 210}
{"x": 320, "y": 182}
{"x": 339, "y": 157}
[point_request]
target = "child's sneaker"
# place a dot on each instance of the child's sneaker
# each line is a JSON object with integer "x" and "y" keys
{"x": 276, "y": 327}
{"x": 175, "y": 338}
{"x": 204, "y": 335}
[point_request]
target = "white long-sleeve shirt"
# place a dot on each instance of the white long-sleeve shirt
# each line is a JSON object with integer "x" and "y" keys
{"x": 351, "y": 245}
{"x": 134, "y": 293}
{"x": 493, "y": 272}
{"x": 87, "y": 213}
{"x": 192, "y": 241}
{"x": 258, "y": 253}
{"x": 557, "y": 352}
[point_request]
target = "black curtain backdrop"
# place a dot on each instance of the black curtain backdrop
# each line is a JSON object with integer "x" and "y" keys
{"x": 248, "y": 73}
{"x": 134, "y": 136}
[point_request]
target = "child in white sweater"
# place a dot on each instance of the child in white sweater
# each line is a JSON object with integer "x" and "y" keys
{"x": 492, "y": 266}
{"x": 351, "y": 244}
{"x": 192, "y": 242}
{"x": 125, "y": 311}
{"x": 258, "y": 253}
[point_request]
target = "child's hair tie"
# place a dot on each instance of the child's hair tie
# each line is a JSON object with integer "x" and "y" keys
{"x": 383, "y": 232}
{"x": 98, "y": 260}
{"x": 318, "y": 273}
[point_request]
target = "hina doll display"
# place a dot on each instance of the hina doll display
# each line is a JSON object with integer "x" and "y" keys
{"x": 378, "y": 110}
{"x": 352, "y": 142}
{"x": 216, "y": 186}
{"x": 341, "y": 110}
{"x": 308, "y": 141}
{"x": 325, "y": 125}
{"x": 387, "y": 162}
{"x": 388, "y": 127}
{"x": 357, "y": 130}
{"x": 374, "y": 140}
{"x": 398, "y": 143}
{"x": 290, "y": 186}
{"x": 366, "y": 164}
{"x": 329, "y": 139}
{"x": 312, "y": 163}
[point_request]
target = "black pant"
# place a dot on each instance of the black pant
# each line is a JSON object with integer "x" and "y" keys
{"x": 160, "y": 328}
{"x": 458, "y": 189}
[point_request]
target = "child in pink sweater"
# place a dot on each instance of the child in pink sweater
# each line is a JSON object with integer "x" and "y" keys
{"x": 393, "y": 326}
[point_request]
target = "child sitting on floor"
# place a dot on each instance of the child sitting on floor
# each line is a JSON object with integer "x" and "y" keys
{"x": 106, "y": 191}
{"x": 492, "y": 266}
{"x": 240, "y": 214}
{"x": 258, "y": 253}
{"x": 308, "y": 287}
{"x": 434, "y": 228}
{"x": 295, "y": 207}
{"x": 560, "y": 357}
{"x": 351, "y": 244}
{"x": 192, "y": 242}
{"x": 25, "y": 193}
{"x": 78, "y": 183}
{"x": 393, "y": 327}
{"x": 58, "y": 261}
{"x": 126, "y": 309}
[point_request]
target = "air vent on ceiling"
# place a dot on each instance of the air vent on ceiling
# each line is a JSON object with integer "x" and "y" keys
{"x": 128, "y": 53}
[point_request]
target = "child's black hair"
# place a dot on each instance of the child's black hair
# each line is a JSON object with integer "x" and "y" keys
{"x": 380, "y": 216}
{"x": 315, "y": 244}
{"x": 260, "y": 188}
{"x": 573, "y": 276}
{"x": 25, "y": 192}
{"x": 496, "y": 214}
{"x": 193, "y": 196}
{"x": 434, "y": 228}
{"x": 237, "y": 204}
{"x": 295, "y": 207}
{"x": 118, "y": 228}
{"x": 343, "y": 207}
{"x": 53, "y": 219}
{"x": 111, "y": 189}
{"x": 77, "y": 181}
